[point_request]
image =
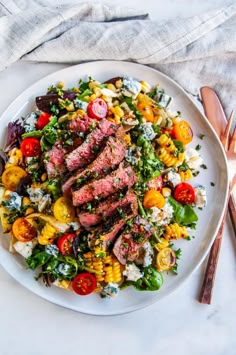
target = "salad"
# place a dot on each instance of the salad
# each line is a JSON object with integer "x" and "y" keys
{"x": 96, "y": 185}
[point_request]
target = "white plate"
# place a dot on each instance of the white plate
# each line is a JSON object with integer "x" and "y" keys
{"x": 194, "y": 251}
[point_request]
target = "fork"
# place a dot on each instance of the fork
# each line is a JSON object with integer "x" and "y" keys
{"x": 229, "y": 145}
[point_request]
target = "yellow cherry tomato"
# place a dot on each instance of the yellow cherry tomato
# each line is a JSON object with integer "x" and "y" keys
{"x": 147, "y": 111}
{"x": 23, "y": 230}
{"x": 166, "y": 259}
{"x": 64, "y": 210}
{"x": 12, "y": 176}
{"x": 153, "y": 198}
{"x": 182, "y": 132}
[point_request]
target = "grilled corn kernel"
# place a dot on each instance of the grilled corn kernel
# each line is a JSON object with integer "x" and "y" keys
{"x": 164, "y": 244}
{"x": 26, "y": 201}
{"x": 92, "y": 97}
{"x": 44, "y": 177}
{"x": 145, "y": 87}
{"x": 61, "y": 84}
{"x": 92, "y": 84}
{"x": 127, "y": 139}
{"x": 118, "y": 83}
{"x": 29, "y": 211}
{"x": 117, "y": 111}
{"x": 97, "y": 92}
{"x": 111, "y": 87}
{"x": 166, "y": 191}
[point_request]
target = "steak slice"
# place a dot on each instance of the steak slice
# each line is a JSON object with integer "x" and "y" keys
{"x": 86, "y": 152}
{"x": 82, "y": 124}
{"x": 55, "y": 161}
{"x": 119, "y": 179}
{"x": 108, "y": 208}
{"x": 129, "y": 243}
{"x": 112, "y": 155}
{"x": 109, "y": 230}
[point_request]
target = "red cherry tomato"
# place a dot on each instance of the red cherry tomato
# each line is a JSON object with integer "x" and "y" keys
{"x": 97, "y": 109}
{"x": 64, "y": 243}
{"x": 156, "y": 183}
{"x": 84, "y": 284}
{"x": 169, "y": 131}
{"x": 184, "y": 193}
{"x": 30, "y": 147}
{"x": 43, "y": 120}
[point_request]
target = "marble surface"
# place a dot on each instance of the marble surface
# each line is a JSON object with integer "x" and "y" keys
{"x": 30, "y": 325}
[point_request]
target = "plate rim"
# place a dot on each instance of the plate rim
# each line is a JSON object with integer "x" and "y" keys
{"x": 173, "y": 82}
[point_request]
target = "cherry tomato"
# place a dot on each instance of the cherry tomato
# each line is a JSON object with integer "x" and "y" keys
{"x": 64, "y": 210}
{"x": 12, "y": 176}
{"x": 153, "y": 198}
{"x": 182, "y": 132}
{"x": 23, "y": 230}
{"x": 84, "y": 284}
{"x": 65, "y": 243}
{"x": 97, "y": 109}
{"x": 166, "y": 259}
{"x": 43, "y": 120}
{"x": 146, "y": 111}
{"x": 156, "y": 183}
{"x": 184, "y": 193}
{"x": 30, "y": 147}
{"x": 169, "y": 131}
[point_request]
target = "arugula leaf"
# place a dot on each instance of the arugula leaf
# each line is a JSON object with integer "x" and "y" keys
{"x": 183, "y": 214}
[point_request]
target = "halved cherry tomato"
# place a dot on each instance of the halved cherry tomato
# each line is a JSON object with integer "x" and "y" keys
{"x": 169, "y": 131}
{"x": 156, "y": 183}
{"x": 84, "y": 284}
{"x": 153, "y": 198}
{"x": 184, "y": 193}
{"x": 23, "y": 230}
{"x": 97, "y": 109}
{"x": 64, "y": 210}
{"x": 30, "y": 147}
{"x": 43, "y": 120}
{"x": 182, "y": 132}
{"x": 12, "y": 176}
{"x": 65, "y": 243}
{"x": 146, "y": 111}
{"x": 166, "y": 259}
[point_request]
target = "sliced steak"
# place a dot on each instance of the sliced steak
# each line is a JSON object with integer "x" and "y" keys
{"x": 112, "y": 155}
{"x": 82, "y": 124}
{"x": 87, "y": 151}
{"x": 109, "y": 230}
{"x": 55, "y": 161}
{"x": 129, "y": 243}
{"x": 108, "y": 208}
{"x": 119, "y": 179}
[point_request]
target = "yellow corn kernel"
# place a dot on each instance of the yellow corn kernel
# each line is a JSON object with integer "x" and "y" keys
{"x": 164, "y": 244}
{"x": 47, "y": 235}
{"x": 175, "y": 231}
{"x": 97, "y": 92}
{"x": 118, "y": 83}
{"x": 92, "y": 84}
{"x": 186, "y": 175}
{"x": 127, "y": 139}
{"x": 117, "y": 111}
{"x": 86, "y": 98}
{"x": 29, "y": 211}
{"x": 92, "y": 97}
{"x": 26, "y": 201}
{"x": 44, "y": 177}
{"x": 111, "y": 87}
{"x": 180, "y": 159}
{"x": 145, "y": 87}
{"x": 62, "y": 284}
{"x": 80, "y": 113}
{"x": 166, "y": 191}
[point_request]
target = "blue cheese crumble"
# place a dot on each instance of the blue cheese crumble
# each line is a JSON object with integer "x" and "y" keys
{"x": 14, "y": 201}
{"x": 133, "y": 155}
{"x": 30, "y": 121}
{"x": 132, "y": 272}
{"x": 25, "y": 248}
{"x": 63, "y": 269}
{"x": 52, "y": 250}
{"x": 162, "y": 99}
{"x": 81, "y": 104}
{"x": 173, "y": 177}
{"x": 110, "y": 290}
{"x": 200, "y": 196}
{"x": 131, "y": 87}
{"x": 162, "y": 216}
{"x": 35, "y": 194}
{"x": 148, "y": 131}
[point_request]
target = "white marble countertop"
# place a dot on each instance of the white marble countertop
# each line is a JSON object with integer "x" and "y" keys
{"x": 178, "y": 324}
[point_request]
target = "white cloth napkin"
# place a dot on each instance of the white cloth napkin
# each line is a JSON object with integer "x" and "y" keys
{"x": 196, "y": 51}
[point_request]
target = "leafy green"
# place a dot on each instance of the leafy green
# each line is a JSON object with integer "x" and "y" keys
{"x": 183, "y": 214}
{"x": 152, "y": 280}
{"x": 54, "y": 187}
{"x": 38, "y": 258}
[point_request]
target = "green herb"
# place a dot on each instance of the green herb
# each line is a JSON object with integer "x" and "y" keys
{"x": 89, "y": 206}
{"x": 183, "y": 214}
{"x": 184, "y": 167}
{"x": 196, "y": 173}
{"x": 203, "y": 166}
{"x": 212, "y": 183}
{"x": 198, "y": 147}
{"x": 178, "y": 145}
{"x": 201, "y": 136}
{"x": 54, "y": 109}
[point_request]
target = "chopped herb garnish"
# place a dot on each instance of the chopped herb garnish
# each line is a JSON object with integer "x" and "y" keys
{"x": 212, "y": 183}
{"x": 203, "y": 166}
{"x": 198, "y": 147}
{"x": 201, "y": 136}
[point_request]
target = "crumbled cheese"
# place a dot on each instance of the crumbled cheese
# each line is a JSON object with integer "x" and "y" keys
{"x": 133, "y": 155}
{"x": 148, "y": 131}
{"x": 63, "y": 269}
{"x": 192, "y": 158}
{"x": 25, "y": 248}
{"x": 162, "y": 216}
{"x": 108, "y": 93}
{"x": 32, "y": 163}
{"x": 148, "y": 254}
{"x": 132, "y": 272}
{"x": 83, "y": 105}
{"x": 30, "y": 121}
{"x": 44, "y": 201}
{"x": 173, "y": 177}
{"x": 35, "y": 193}
{"x": 163, "y": 99}
{"x": 14, "y": 201}
{"x": 52, "y": 249}
{"x": 200, "y": 196}
{"x": 131, "y": 87}
{"x": 110, "y": 290}
{"x": 74, "y": 225}
{"x": 173, "y": 114}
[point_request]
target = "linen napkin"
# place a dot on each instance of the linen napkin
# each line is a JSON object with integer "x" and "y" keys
{"x": 196, "y": 51}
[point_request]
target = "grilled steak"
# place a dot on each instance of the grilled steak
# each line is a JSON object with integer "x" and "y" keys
{"x": 129, "y": 243}
{"x": 112, "y": 155}
{"x": 108, "y": 208}
{"x": 86, "y": 152}
{"x": 82, "y": 124}
{"x": 55, "y": 161}
{"x": 119, "y": 179}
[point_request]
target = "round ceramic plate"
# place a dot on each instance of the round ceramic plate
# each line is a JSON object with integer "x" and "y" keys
{"x": 193, "y": 252}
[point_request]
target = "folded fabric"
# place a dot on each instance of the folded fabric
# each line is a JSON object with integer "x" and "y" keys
{"x": 196, "y": 51}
